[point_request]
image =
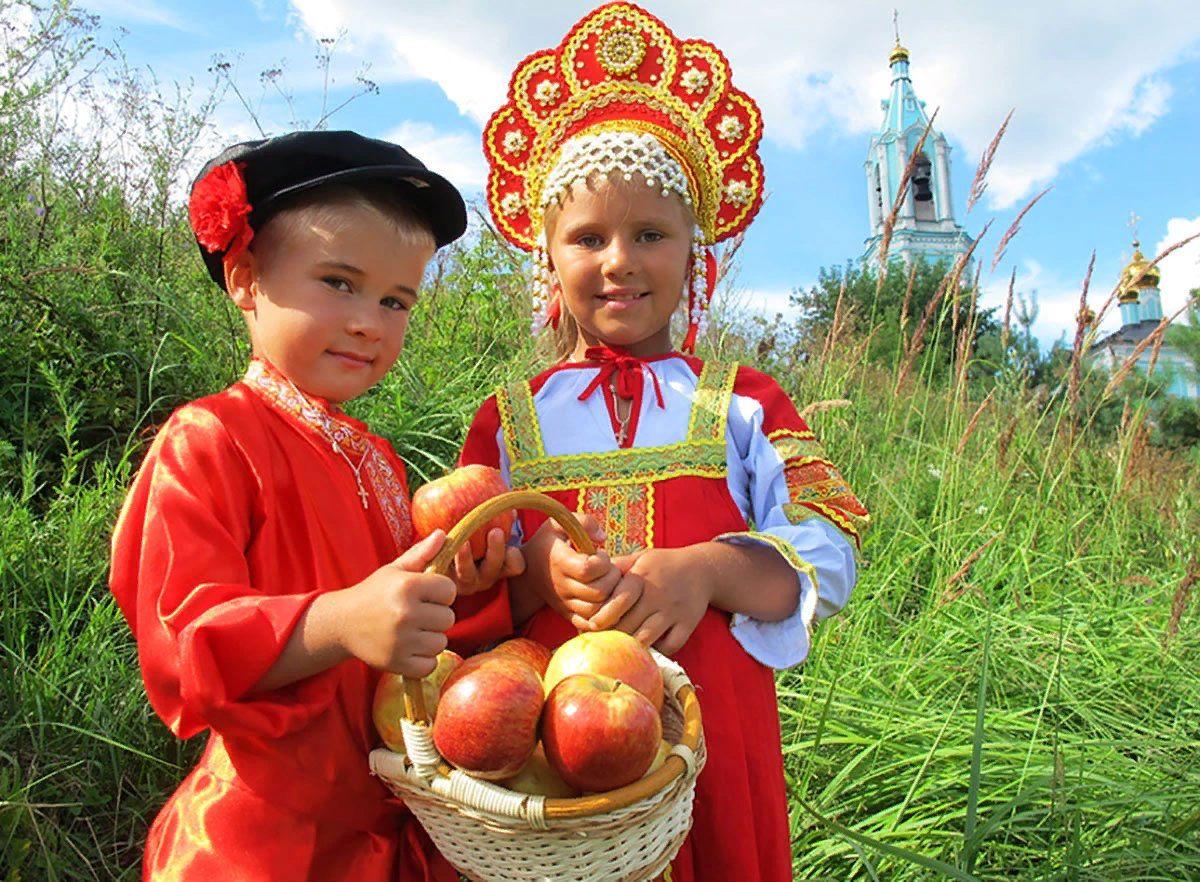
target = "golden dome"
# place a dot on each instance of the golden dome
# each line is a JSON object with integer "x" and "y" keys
{"x": 898, "y": 54}
{"x": 1138, "y": 275}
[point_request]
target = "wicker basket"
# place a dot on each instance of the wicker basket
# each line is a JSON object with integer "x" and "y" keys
{"x": 492, "y": 834}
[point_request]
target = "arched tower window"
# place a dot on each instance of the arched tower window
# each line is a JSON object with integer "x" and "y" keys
{"x": 879, "y": 192}
{"x": 922, "y": 184}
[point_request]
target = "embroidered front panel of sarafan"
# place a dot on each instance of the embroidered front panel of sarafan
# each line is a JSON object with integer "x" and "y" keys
{"x": 617, "y": 487}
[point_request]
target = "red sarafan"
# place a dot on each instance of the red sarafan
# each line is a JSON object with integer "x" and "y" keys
{"x": 443, "y": 503}
{"x": 487, "y": 718}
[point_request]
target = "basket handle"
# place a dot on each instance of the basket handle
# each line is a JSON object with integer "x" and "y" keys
{"x": 414, "y": 699}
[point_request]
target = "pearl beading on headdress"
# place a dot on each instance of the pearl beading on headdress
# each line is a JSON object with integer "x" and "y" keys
{"x": 616, "y": 150}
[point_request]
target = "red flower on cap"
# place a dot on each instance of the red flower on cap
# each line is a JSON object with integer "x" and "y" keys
{"x": 219, "y": 211}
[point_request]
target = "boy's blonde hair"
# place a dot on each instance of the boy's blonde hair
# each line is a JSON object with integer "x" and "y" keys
{"x": 323, "y": 206}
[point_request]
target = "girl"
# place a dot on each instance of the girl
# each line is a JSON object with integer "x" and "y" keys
{"x": 619, "y": 158}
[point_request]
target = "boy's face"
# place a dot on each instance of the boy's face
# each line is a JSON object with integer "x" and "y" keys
{"x": 328, "y": 301}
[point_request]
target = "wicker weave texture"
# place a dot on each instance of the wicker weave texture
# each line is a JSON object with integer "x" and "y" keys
{"x": 492, "y": 834}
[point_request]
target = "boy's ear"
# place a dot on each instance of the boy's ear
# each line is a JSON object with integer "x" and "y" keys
{"x": 241, "y": 280}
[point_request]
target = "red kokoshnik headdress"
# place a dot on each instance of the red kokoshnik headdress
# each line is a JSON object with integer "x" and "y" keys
{"x": 623, "y": 93}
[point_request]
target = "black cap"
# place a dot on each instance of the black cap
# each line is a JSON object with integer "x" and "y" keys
{"x": 280, "y": 167}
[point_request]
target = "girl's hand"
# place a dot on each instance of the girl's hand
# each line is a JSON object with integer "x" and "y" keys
{"x": 396, "y": 619}
{"x": 666, "y": 596}
{"x": 570, "y": 582}
{"x": 499, "y": 562}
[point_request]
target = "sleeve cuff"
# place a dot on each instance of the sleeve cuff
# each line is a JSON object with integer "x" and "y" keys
{"x": 229, "y": 648}
{"x": 785, "y": 643}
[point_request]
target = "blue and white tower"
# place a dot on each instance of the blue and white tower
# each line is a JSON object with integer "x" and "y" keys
{"x": 925, "y": 224}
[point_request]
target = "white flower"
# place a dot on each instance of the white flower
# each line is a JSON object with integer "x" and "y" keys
{"x": 514, "y": 141}
{"x": 511, "y": 204}
{"x": 738, "y": 193}
{"x": 730, "y": 128}
{"x": 935, "y": 472}
{"x": 547, "y": 92}
{"x": 981, "y": 510}
{"x": 694, "y": 80}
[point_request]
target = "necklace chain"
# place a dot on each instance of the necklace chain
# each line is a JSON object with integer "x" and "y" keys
{"x": 337, "y": 448}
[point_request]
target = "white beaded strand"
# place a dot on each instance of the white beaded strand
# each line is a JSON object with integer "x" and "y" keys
{"x": 615, "y": 150}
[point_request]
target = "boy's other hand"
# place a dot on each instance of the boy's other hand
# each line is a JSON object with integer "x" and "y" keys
{"x": 396, "y": 619}
{"x": 499, "y": 562}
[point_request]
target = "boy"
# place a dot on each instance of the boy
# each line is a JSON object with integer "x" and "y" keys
{"x": 262, "y": 556}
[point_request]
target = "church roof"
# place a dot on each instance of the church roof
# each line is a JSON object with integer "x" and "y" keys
{"x": 1127, "y": 334}
{"x": 903, "y": 109}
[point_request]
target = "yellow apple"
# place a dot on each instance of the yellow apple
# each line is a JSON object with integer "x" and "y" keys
{"x": 387, "y": 709}
{"x": 537, "y": 777}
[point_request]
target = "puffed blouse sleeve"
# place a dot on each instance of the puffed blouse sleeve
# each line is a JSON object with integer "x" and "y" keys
{"x": 487, "y": 616}
{"x": 205, "y": 633}
{"x": 798, "y": 503}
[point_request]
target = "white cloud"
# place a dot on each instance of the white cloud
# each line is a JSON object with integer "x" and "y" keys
{"x": 1180, "y": 269}
{"x": 1078, "y": 73}
{"x": 1056, "y": 300}
{"x": 454, "y": 155}
{"x": 767, "y": 302}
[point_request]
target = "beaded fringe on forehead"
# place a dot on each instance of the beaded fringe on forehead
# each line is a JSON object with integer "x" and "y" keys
{"x": 616, "y": 150}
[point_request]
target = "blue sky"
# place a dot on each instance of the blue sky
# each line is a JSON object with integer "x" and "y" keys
{"x": 1106, "y": 98}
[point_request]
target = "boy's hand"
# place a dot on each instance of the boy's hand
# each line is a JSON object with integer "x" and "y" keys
{"x": 499, "y": 562}
{"x": 660, "y": 600}
{"x": 396, "y": 619}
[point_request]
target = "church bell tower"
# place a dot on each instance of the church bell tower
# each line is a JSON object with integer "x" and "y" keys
{"x": 925, "y": 224}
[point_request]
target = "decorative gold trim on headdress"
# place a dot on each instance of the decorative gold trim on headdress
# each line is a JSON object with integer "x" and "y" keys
{"x": 621, "y": 68}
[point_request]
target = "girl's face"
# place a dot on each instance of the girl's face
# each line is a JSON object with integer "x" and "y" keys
{"x": 620, "y": 251}
{"x": 328, "y": 303}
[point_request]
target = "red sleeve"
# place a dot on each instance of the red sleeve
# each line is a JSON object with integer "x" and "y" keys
{"x": 205, "y": 635}
{"x": 481, "y": 447}
{"x": 487, "y": 616}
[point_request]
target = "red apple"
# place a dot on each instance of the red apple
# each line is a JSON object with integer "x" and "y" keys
{"x": 612, "y": 653}
{"x": 599, "y": 733}
{"x": 388, "y": 707}
{"x": 488, "y": 715}
{"x": 537, "y": 655}
{"x": 538, "y": 777}
{"x": 444, "y": 502}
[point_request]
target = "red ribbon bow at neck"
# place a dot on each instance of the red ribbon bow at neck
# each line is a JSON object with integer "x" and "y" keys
{"x": 630, "y": 378}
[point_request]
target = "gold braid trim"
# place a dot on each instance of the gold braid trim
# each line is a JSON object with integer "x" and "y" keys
{"x": 794, "y": 560}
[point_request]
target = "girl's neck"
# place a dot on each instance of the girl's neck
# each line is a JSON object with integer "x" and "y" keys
{"x": 654, "y": 345}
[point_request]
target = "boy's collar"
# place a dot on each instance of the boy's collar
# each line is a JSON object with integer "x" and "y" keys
{"x": 279, "y": 390}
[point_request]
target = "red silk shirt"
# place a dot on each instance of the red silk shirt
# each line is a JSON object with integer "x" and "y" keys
{"x": 243, "y": 512}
